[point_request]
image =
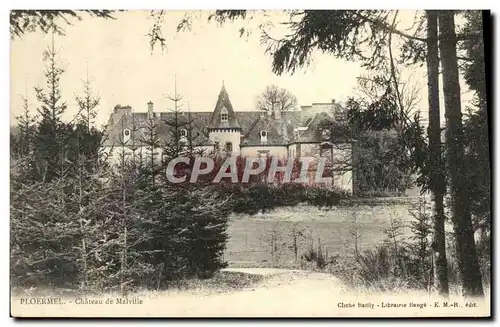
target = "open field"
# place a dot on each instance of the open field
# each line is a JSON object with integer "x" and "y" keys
{"x": 256, "y": 240}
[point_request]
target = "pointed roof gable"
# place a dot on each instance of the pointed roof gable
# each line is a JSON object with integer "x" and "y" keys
{"x": 223, "y": 102}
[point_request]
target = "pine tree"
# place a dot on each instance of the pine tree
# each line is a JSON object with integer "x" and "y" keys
{"x": 476, "y": 128}
{"x": 460, "y": 208}
{"x": 437, "y": 182}
{"x": 87, "y": 104}
{"x": 152, "y": 145}
{"x": 27, "y": 128}
{"x": 175, "y": 145}
{"x": 50, "y": 156}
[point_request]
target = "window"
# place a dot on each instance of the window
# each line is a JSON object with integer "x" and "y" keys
{"x": 263, "y": 137}
{"x": 229, "y": 147}
{"x": 224, "y": 115}
{"x": 183, "y": 133}
{"x": 126, "y": 135}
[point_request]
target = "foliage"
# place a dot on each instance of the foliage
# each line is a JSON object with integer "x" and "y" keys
{"x": 400, "y": 257}
{"x": 22, "y": 142}
{"x": 42, "y": 234}
{"x": 476, "y": 124}
{"x": 26, "y": 21}
{"x": 476, "y": 132}
{"x": 474, "y": 66}
{"x": 135, "y": 234}
{"x": 87, "y": 104}
{"x": 382, "y": 159}
{"x": 276, "y": 98}
{"x": 79, "y": 222}
{"x": 262, "y": 197}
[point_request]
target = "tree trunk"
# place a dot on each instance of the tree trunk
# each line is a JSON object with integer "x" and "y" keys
{"x": 82, "y": 230}
{"x": 437, "y": 181}
{"x": 464, "y": 235}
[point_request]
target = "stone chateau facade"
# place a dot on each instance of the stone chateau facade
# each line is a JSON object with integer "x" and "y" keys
{"x": 287, "y": 135}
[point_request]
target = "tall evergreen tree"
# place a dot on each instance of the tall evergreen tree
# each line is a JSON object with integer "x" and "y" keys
{"x": 476, "y": 126}
{"x": 174, "y": 145}
{"x": 152, "y": 144}
{"x": 437, "y": 181}
{"x": 478, "y": 120}
{"x": 50, "y": 153}
{"x": 459, "y": 197}
{"x": 87, "y": 104}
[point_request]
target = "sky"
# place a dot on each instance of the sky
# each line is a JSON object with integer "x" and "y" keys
{"x": 125, "y": 71}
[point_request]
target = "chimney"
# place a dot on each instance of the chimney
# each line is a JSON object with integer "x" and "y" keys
{"x": 119, "y": 111}
{"x": 277, "y": 113}
{"x": 285, "y": 131}
{"x": 150, "y": 110}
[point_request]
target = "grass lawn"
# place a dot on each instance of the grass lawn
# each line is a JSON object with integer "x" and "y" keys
{"x": 255, "y": 240}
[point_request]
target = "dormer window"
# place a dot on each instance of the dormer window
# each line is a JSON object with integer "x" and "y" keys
{"x": 126, "y": 135}
{"x": 224, "y": 116}
{"x": 263, "y": 137}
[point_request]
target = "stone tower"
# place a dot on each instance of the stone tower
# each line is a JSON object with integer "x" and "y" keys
{"x": 223, "y": 129}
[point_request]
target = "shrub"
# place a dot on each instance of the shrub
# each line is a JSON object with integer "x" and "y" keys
{"x": 78, "y": 232}
{"x": 262, "y": 197}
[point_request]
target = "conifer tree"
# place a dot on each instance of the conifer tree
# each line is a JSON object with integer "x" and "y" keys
{"x": 50, "y": 156}
{"x": 27, "y": 128}
{"x": 460, "y": 207}
{"x": 175, "y": 144}
{"x": 152, "y": 144}
{"x": 87, "y": 104}
{"x": 437, "y": 182}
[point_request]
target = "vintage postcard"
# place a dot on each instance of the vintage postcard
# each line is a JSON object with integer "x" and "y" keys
{"x": 250, "y": 163}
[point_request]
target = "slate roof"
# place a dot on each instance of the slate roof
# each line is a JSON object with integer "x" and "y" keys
{"x": 139, "y": 125}
{"x": 313, "y": 133}
{"x": 250, "y": 123}
{"x": 223, "y": 102}
{"x": 275, "y": 135}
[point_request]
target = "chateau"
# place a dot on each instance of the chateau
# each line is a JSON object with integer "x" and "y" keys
{"x": 287, "y": 135}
